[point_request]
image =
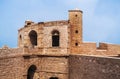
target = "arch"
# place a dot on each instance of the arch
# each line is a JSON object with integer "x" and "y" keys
{"x": 33, "y": 37}
{"x": 53, "y": 78}
{"x": 55, "y": 38}
{"x": 31, "y": 72}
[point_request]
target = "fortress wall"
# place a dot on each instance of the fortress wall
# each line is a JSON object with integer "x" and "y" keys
{"x": 104, "y": 49}
{"x": 47, "y": 51}
{"x": 88, "y": 47}
{"x": 102, "y": 46}
{"x": 111, "y": 49}
{"x": 89, "y": 67}
{"x": 48, "y": 66}
{"x": 7, "y": 52}
{"x": 11, "y": 68}
{"x": 114, "y": 49}
{"x": 85, "y": 48}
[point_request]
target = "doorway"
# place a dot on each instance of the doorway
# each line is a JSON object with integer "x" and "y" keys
{"x": 31, "y": 72}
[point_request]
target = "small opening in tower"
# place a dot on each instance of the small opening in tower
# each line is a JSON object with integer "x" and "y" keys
{"x": 76, "y": 15}
{"x": 76, "y": 31}
{"x": 28, "y": 23}
{"x": 76, "y": 44}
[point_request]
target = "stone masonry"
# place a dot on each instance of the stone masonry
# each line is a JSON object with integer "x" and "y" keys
{"x": 55, "y": 50}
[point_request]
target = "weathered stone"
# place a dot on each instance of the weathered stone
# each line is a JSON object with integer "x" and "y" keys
{"x": 51, "y": 50}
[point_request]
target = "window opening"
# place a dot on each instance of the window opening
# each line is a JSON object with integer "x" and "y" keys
{"x": 55, "y": 38}
{"x": 33, "y": 37}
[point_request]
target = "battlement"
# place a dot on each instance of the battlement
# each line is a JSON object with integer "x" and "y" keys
{"x": 104, "y": 49}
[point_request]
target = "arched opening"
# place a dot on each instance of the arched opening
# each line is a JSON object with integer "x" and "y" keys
{"x": 33, "y": 37}
{"x": 53, "y": 78}
{"x": 55, "y": 38}
{"x": 31, "y": 72}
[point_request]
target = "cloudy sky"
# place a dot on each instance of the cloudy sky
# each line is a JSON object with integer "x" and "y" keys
{"x": 101, "y": 18}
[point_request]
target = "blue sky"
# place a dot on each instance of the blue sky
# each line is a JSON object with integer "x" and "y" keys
{"x": 101, "y": 18}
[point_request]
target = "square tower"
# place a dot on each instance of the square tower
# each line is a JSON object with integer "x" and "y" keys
{"x": 75, "y": 20}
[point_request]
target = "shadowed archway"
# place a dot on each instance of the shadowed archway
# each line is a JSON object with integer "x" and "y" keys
{"x": 31, "y": 72}
{"x": 33, "y": 37}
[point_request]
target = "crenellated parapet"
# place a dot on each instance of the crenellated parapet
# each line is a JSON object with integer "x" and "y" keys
{"x": 111, "y": 49}
{"x": 103, "y": 49}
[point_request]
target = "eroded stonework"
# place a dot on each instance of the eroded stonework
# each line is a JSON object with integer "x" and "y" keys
{"x": 52, "y": 50}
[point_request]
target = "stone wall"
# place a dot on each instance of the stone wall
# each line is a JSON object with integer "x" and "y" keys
{"x": 11, "y": 52}
{"x": 89, "y": 67}
{"x": 114, "y": 50}
{"x": 63, "y": 33}
{"x": 104, "y": 49}
{"x": 11, "y": 68}
{"x": 47, "y": 66}
{"x": 43, "y": 30}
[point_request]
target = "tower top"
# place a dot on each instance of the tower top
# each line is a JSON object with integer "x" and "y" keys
{"x": 76, "y": 10}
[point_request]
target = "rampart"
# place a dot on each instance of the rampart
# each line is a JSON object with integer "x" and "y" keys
{"x": 104, "y": 49}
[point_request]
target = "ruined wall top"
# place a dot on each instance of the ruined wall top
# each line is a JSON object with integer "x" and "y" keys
{"x": 29, "y": 23}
